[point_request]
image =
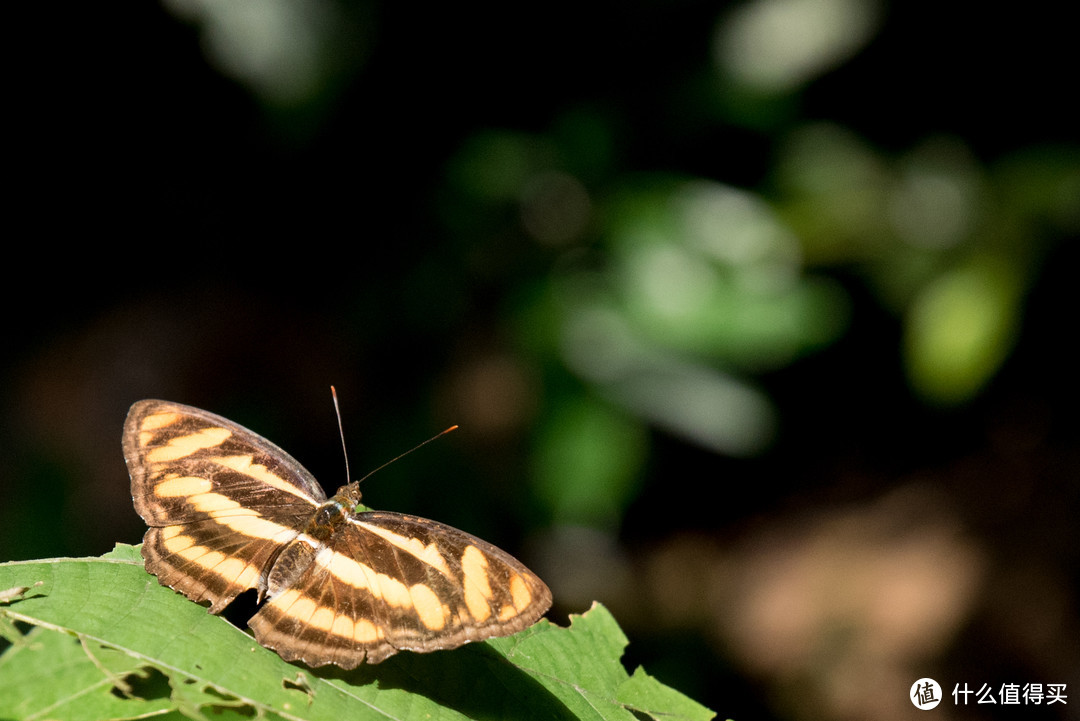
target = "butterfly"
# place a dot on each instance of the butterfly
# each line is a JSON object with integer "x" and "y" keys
{"x": 229, "y": 511}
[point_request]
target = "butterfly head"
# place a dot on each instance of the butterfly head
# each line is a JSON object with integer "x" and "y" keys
{"x": 348, "y": 495}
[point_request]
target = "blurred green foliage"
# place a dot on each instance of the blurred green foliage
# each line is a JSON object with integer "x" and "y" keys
{"x": 668, "y": 295}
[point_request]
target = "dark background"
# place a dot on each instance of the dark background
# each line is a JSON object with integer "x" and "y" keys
{"x": 794, "y": 501}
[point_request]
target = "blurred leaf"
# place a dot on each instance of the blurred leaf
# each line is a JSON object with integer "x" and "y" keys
{"x": 711, "y": 271}
{"x": 776, "y": 46}
{"x": 287, "y": 53}
{"x": 495, "y": 165}
{"x": 960, "y": 330}
{"x": 586, "y": 460}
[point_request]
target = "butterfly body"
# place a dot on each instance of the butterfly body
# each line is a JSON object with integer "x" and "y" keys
{"x": 229, "y": 511}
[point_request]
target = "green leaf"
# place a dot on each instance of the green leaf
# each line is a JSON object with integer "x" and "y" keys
{"x": 961, "y": 329}
{"x": 52, "y": 676}
{"x": 581, "y": 667}
{"x": 112, "y": 643}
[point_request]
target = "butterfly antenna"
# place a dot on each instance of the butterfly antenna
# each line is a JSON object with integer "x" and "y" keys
{"x": 341, "y": 429}
{"x": 402, "y": 455}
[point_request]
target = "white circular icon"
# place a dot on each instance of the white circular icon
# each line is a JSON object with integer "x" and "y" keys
{"x": 925, "y": 693}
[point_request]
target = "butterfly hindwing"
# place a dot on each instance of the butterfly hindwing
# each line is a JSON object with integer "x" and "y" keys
{"x": 387, "y": 582}
{"x": 229, "y": 511}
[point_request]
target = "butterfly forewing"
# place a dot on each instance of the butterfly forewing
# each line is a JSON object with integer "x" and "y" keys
{"x": 220, "y": 500}
{"x": 229, "y": 511}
